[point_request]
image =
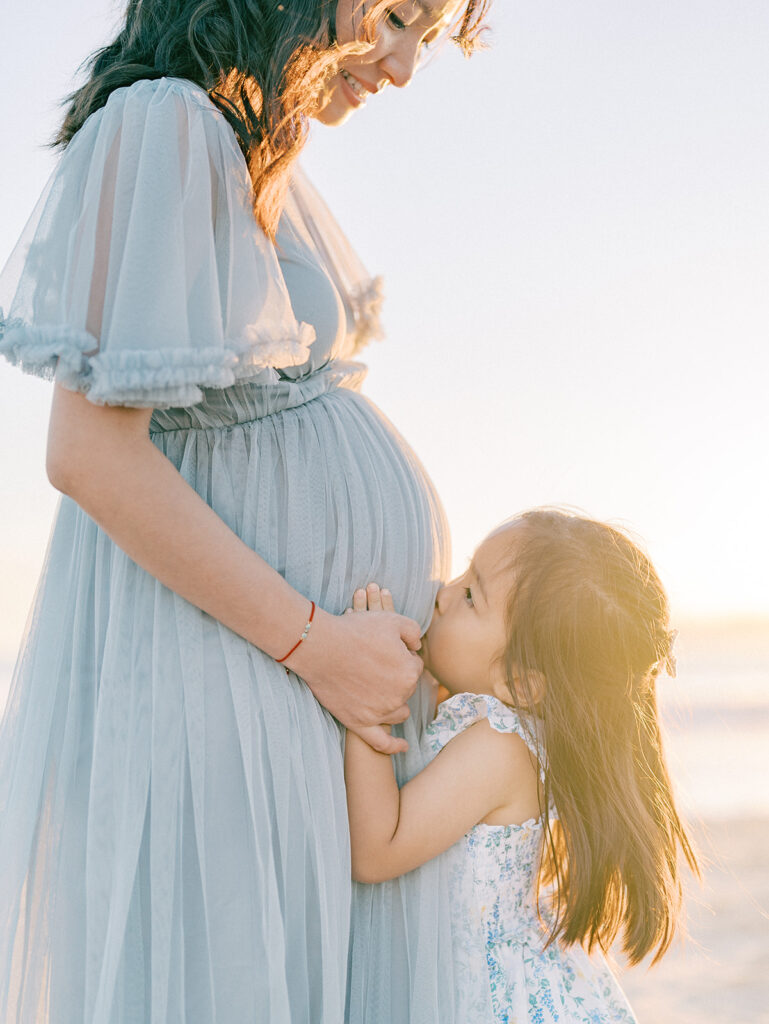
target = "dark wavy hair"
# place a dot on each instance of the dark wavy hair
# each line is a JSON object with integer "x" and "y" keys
{"x": 262, "y": 62}
{"x": 588, "y": 633}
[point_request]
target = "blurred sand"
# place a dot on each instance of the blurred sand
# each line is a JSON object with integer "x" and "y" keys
{"x": 720, "y": 974}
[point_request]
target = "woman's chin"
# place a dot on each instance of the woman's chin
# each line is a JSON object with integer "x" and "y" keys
{"x": 335, "y": 107}
{"x": 335, "y": 112}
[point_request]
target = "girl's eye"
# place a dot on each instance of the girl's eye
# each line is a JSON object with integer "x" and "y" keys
{"x": 468, "y": 596}
{"x": 395, "y": 21}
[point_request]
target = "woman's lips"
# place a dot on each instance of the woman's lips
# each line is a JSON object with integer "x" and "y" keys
{"x": 354, "y": 90}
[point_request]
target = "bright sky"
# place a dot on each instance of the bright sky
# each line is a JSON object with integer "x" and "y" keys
{"x": 574, "y": 233}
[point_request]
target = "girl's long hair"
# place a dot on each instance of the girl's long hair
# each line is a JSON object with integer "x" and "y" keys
{"x": 262, "y": 62}
{"x": 588, "y": 634}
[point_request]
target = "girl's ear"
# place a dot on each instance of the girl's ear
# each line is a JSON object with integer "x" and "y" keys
{"x": 536, "y": 685}
{"x": 533, "y": 692}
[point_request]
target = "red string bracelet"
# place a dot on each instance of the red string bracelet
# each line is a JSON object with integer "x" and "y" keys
{"x": 303, "y": 637}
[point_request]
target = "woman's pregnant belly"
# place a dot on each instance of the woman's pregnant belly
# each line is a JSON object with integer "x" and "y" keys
{"x": 328, "y": 493}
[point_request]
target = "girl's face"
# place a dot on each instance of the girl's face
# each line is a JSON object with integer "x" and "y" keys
{"x": 465, "y": 640}
{"x": 403, "y": 32}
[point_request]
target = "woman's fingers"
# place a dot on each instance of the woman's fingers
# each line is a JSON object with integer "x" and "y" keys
{"x": 359, "y": 667}
{"x": 381, "y": 740}
{"x": 399, "y": 715}
{"x": 410, "y": 632}
{"x": 387, "y": 601}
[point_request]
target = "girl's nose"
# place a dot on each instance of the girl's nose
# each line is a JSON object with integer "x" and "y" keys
{"x": 440, "y": 600}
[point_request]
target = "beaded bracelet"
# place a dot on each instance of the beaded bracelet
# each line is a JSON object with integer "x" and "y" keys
{"x": 303, "y": 637}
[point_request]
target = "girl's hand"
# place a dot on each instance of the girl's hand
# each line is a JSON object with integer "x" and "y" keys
{"x": 372, "y": 599}
{"x": 362, "y": 667}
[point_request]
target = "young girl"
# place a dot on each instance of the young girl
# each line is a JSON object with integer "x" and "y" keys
{"x": 548, "y": 786}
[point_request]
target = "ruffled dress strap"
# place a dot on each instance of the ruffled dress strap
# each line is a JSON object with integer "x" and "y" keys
{"x": 462, "y": 710}
{"x": 143, "y": 275}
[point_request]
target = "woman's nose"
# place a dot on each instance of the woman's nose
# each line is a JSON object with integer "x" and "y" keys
{"x": 400, "y": 63}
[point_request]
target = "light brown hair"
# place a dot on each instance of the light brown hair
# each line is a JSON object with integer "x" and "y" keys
{"x": 588, "y": 634}
{"x": 262, "y": 63}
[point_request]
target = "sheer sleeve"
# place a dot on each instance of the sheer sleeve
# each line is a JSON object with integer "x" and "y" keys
{"x": 143, "y": 276}
{"x": 361, "y": 293}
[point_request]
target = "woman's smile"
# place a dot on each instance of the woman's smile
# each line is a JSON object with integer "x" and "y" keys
{"x": 393, "y": 55}
{"x": 355, "y": 90}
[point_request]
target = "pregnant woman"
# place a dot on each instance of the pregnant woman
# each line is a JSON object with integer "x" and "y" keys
{"x": 173, "y": 840}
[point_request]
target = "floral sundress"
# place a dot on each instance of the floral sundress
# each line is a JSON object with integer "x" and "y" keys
{"x": 502, "y": 972}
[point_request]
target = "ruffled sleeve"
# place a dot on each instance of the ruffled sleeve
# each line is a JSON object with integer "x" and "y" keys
{"x": 462, "y": 710}
{"x": 143, "y": 275}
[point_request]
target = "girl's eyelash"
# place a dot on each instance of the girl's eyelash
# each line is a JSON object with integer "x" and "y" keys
{"x": 468, "y": 595}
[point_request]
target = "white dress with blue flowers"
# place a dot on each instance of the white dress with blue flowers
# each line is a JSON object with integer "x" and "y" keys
{"x": 502, "y": 972}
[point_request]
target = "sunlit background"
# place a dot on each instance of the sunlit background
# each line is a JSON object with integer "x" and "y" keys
{"x": 573, "y": 229}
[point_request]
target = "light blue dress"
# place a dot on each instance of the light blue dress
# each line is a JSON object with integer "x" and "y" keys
{"x": 503, "y": 973}
{"x": 173, "y": 830}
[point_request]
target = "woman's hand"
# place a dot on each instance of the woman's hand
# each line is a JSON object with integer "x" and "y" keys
{"x": 362, "y": 667}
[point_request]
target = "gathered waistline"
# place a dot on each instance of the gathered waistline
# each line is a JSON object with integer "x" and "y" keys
{"x": 244, "y": 403}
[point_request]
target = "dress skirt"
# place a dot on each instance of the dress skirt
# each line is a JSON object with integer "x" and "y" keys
{"x": 174, "y": 846}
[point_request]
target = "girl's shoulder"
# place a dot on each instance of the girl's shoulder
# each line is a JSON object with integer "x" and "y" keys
{"x": 463, "y": 710}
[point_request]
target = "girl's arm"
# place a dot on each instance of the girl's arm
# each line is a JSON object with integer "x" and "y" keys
{"x": 393, "y": 831}
{"x": 359, "y": 667}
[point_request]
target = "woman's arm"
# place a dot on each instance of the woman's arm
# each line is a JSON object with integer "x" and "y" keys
{"x": 393, "y": 831}
{"x": 359, "y": 667}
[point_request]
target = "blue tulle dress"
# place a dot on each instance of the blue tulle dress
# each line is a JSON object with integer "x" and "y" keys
{"x": 173, "y": 833}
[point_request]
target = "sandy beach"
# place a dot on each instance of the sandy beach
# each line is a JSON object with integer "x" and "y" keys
{"x": 720, "y": 973}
